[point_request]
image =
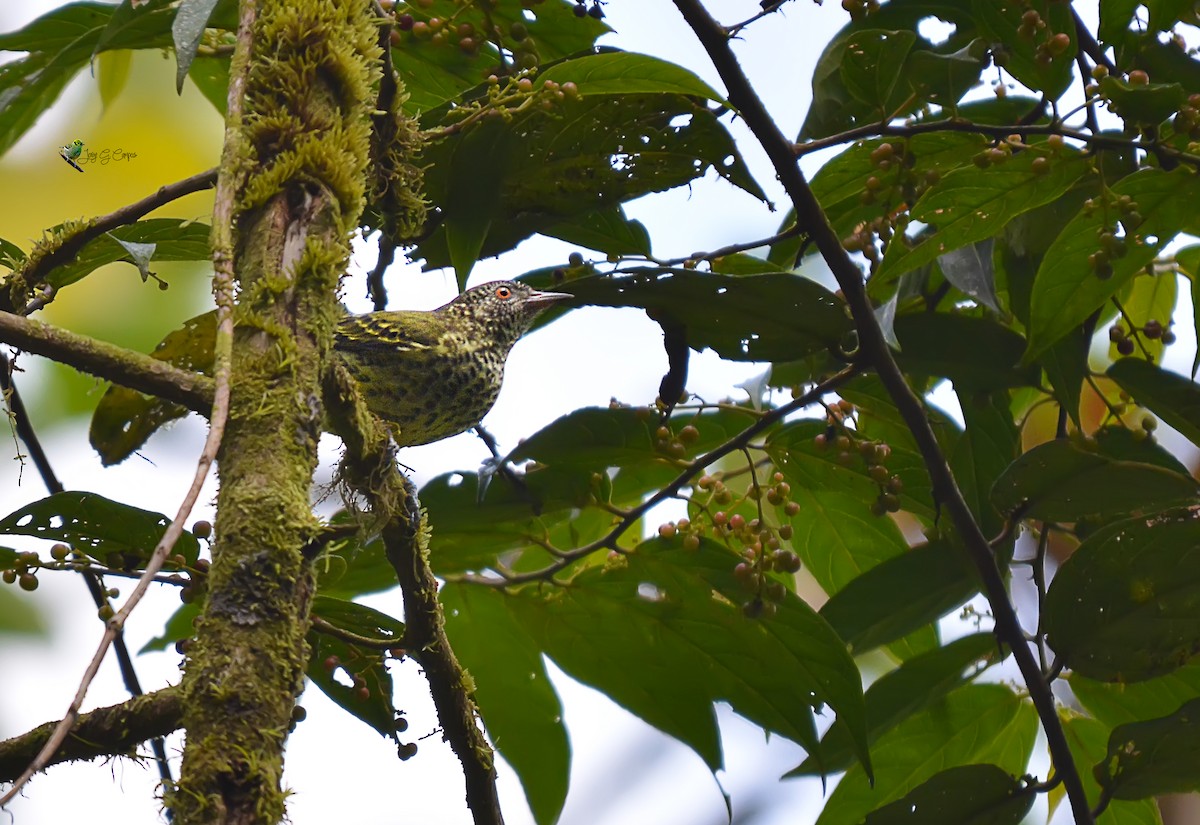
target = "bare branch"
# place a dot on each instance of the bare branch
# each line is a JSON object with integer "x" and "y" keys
{"x": 104, "y": 360}
{"x": 112, "y": 731}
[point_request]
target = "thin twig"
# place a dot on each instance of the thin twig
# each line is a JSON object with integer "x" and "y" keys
{"x": 874, "y": 348}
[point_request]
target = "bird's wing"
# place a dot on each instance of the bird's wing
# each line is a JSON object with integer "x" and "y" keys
{"x": 379, "y": 331}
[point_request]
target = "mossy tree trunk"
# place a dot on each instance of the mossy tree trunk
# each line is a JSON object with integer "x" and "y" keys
{"x": 297, "y": 156}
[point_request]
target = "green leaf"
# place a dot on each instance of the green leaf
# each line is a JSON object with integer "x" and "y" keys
{"x": 1148, "y": 104}
{"x": 211, "y": 76}
{"x": 348, "y": 569}
{"x": 186, "y": 31}
{"x": 173, "y": 240}
{"x": 900, "y": 595}
{"x": 1122, "y": 444}
{"x": 1115, "y": 17}
{"x": 1118, "y": 703}
{"x": 1059, "y": 481}
{"x": 125, "y": 418}
{"x": 1088, "y": 739}
{"x": 1174, "y": 399}
{"x": 11, "y": 255}
{"x": 472, "y": 534}
{"x": 671, "y": 647}
{"x": 110, "y": 532}
{"x": 1155, "y": 757}
{"x": 111, "y": 75}
{"x": 434, "y": 74}
{"x": 1126, "y": 605}
{"x": 969, "y": 205}
{"x": 365, "y": 667}
{"x": 986, "y": 355}
{"x": 476, "y": 176}
{"x": 909, "y": 689}
{"x": 1066, "y": 366}
{"x": 970, "y": 794}
{"x": 974, "y": 724}
{"x": 624, "y": 73}
{"x": 606, "y": 230}
{"x": 869, "y": 68}
{"x": 751, "y": 318}
{"x": 1067, "y": 290}
{"x": 943, "y": 79}
{"x": 514, "y": 694}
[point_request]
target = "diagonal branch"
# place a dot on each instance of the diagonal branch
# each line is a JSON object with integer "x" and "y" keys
{"x": 874, "y": 350}
{"x": 40, "y": 267}
{"x": 104, "y": 360}
{"x": 112, "y": 731}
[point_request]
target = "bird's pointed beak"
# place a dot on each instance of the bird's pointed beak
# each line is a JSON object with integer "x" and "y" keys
{"x": 540, "y": 300}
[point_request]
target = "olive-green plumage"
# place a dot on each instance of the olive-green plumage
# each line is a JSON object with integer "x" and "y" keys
{"x": 432, "y": 375}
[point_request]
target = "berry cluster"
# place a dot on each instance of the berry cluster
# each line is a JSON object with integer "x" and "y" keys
{"x": 1112, "y": 238}
{"x": 873, "y": 455}
{"x": 584, "y": 10}
{"x": 1152, "y": 329}
{"x": 414, "y": 23}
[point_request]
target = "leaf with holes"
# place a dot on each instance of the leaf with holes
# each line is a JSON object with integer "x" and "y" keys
{"x": 110, "y": 532}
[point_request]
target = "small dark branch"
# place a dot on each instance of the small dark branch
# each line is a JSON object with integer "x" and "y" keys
{"x": 369, "y": 467}
{"x": 328, "y": 534}
{"x": 731, "y": 249}
{"x": 104, "y": 360}
{"x": 1044, "y": 787}
{"x": 632, "y": 516}
{"x": 91, "y": 579}
{"x": 875, "y": 351}
{"x": 1088, "y": 44}
{"x": 112, "y": 731}
{"x": 768, "y": 7}
{"x": 375, "y": 289}
{"x": 69, "y": 247}
{"x": 1102, "y": 804}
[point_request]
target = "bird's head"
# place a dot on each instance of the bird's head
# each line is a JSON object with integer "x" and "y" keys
{"x": 505, "y": 309}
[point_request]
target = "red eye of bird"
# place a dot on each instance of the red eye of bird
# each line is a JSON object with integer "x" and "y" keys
{"x": 503, "y": 293}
